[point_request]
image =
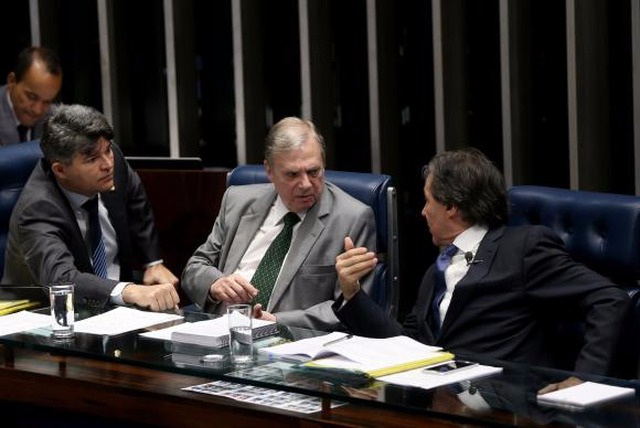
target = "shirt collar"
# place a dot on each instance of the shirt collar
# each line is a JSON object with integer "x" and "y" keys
{"x": 75, "y": 199}
{"x": 469, "y": 240}
{"x": 281, "y": 210}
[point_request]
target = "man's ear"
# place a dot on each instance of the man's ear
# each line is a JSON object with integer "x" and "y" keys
{"x": 267, "y": 168}
{"x": 11, "y": 78}
{"x": 59, "y": 170}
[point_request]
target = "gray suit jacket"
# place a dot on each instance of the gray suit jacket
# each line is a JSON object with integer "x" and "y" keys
{"x": 308, "y": 283}
{"x": 8, "y": 129}
{"x": 45, "y": 244}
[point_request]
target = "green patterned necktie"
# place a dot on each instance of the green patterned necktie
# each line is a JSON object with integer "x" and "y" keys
{"x": 269, "y": 267}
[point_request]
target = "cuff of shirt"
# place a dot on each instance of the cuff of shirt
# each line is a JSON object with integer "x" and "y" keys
{"x": 116, "y": 294}
{"x": 153, "y": 263}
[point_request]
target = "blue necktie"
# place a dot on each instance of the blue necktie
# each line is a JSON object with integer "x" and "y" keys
{"x": 99, "y": 255}
{"x": 443, "y": 261}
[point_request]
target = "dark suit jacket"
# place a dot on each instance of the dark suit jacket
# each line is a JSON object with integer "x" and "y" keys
{"x": 8, "y": 128}
{"x": 45, "y": 244}
{"x": 504, "y": 305}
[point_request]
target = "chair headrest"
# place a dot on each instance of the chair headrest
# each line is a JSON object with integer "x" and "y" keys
{"x": 601, "y": 230}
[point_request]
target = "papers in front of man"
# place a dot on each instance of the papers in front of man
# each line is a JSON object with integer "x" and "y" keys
{"x": 420, "y": 379}
{"x": 11, "y": 306}
{"x": 213, "y": 333}
{"x": 374, "y": 357}
{"x": 23, "y": 321}
{"x": 121, "y": 320}
{"x": 579, "y": 397}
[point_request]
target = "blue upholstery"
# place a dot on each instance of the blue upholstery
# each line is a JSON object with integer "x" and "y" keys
{"x": 601, "y": 230}
{"x": 375, "y": 190}
{"x": 16, "y": 163}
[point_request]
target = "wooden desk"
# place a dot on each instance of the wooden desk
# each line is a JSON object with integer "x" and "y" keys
{"x": 92, "y": 391}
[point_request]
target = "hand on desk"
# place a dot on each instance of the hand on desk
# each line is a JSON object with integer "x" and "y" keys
{"x": 159, "y": 274}
{"x": 572, "y": 381}
{"x": 233, "y": 289}
{"x": 352, "y": 265}
{"x": 159, "y": 297}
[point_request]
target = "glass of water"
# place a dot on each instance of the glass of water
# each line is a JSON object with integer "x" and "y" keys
{"x": 240, "y": 338}
{"x": 62, "y": 311}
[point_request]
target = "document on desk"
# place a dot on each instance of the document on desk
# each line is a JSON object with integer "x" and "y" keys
{"x": 579, "y": 397}
{"x": 374, "y": 357}
{"x": 23, "y": 321}
{"x": 212, "y": 333}
{"x": 122, "y": 320}
{"x": 423, "y": 380}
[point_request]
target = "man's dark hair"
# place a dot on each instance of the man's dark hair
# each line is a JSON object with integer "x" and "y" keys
{"x": 469, "y": 181}
{"x": 28, "y": 55}
{"x": 73, "y": 129}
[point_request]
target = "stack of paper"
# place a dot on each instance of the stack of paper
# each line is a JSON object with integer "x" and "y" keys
{"x": 215, "y": 332}
{"x": 372, "y": 356}
{"x": 583, "y": 395}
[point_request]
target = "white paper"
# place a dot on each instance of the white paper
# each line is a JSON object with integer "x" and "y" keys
{"x": 419, "y": 379}
{"x": 215, "y": 327}
{"x": 23, "y": 321}
{"x": 582, "y": 395}
{"x": 122, "y": 320}
{"x": 356, "y": 352}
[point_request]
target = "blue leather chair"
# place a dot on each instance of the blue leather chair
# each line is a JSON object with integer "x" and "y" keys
{"x": 601, "y": 230}
{"x": 16, "y": 163}
{"x": 375, "y": 190}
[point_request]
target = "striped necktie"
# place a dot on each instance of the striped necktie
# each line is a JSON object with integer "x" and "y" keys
{"x": 99, "y": 255}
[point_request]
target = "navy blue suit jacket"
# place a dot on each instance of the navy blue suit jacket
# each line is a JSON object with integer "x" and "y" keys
{"x": 504, "y": 306}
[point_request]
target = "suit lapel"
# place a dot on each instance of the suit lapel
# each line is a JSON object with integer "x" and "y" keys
{"x": 247, "y": 227}
{"x": 469, "y": 283}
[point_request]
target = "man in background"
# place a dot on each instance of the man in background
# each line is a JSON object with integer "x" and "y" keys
{"x": 26, "y": 99}
{"x": 227, "y": 267}
{"x": 83, "y": 217}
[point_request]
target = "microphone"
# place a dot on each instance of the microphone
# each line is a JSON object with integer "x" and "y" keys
{"x": 468, "y": 256}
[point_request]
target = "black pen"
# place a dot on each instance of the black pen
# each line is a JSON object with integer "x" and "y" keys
{"x": 331, "y": 342}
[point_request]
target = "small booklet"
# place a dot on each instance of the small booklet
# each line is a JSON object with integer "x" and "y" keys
{"x": 579, "y": 397}
{"x": 214, "y": 333}
{"x": 370, "y": 356}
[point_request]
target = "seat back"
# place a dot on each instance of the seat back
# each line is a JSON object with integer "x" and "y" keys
{"x": 16, "y": 163}
{"x": 601, "y": 230}
{"x": 374, "y": 190}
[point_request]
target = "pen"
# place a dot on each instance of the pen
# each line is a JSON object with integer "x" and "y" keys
{"x": 331, "y": 342}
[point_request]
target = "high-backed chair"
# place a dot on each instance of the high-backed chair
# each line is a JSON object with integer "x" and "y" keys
{"x": 374, "y": 190}
{"x": 16, "y": 163}
{"x": 601, "y": 230}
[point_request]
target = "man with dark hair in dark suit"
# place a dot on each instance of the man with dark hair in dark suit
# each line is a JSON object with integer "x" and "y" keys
{"x": 502, "y": 286}
{"x": 53, "y": 237}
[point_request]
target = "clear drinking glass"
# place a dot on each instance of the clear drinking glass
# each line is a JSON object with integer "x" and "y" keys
{"x": 240, "y": 337}
{"x": 62, "y": 310}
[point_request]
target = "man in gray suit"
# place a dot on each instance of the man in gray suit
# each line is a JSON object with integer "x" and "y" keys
{"x": 26, "y": 98}
{"x": 53, "y": 234}
{"x": 221, "y": 271}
